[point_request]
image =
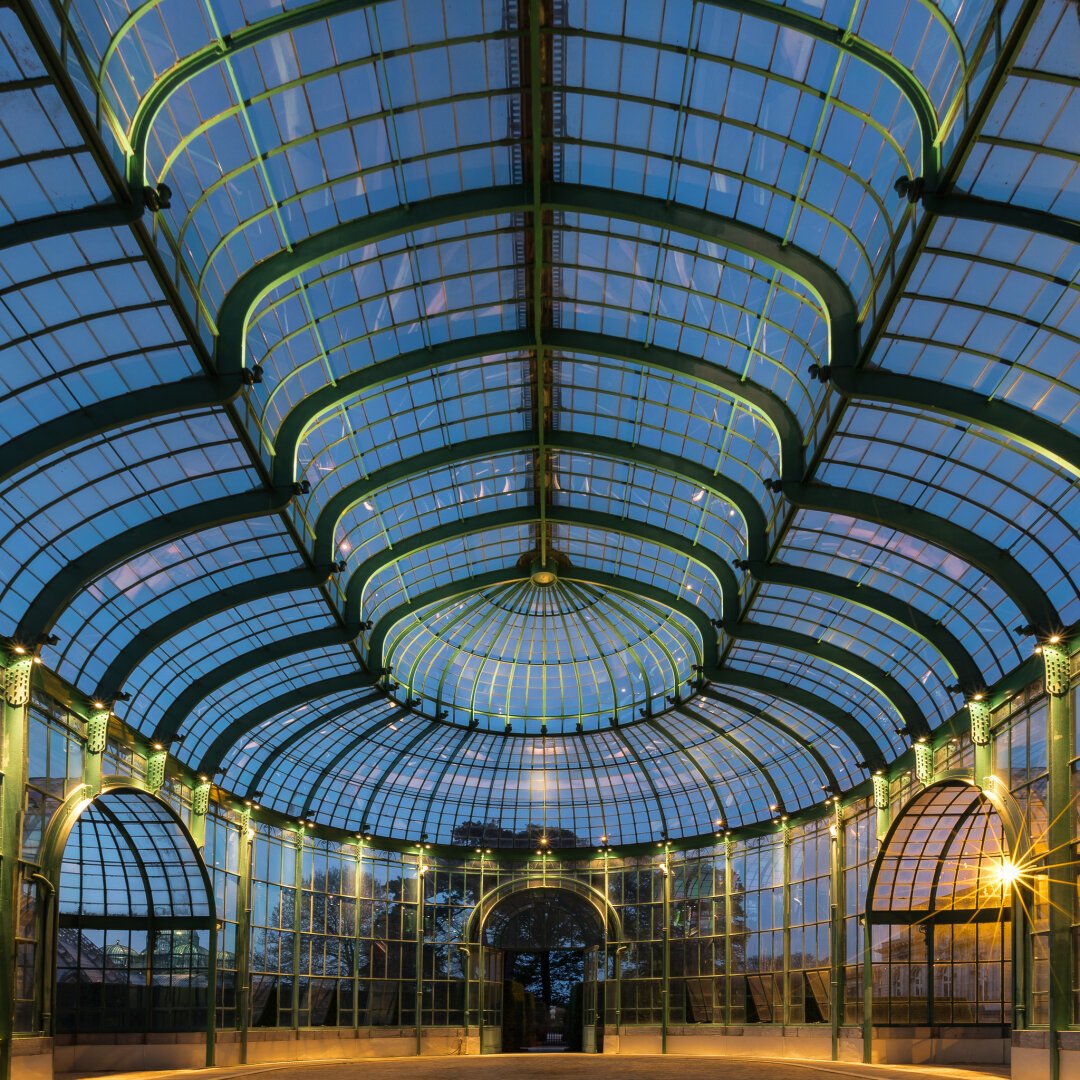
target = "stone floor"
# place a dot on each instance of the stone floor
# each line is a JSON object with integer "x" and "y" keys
{"x": 576, "y": 1067}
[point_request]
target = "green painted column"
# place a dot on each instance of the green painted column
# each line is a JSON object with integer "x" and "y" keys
{"x": 16, "y": 695}
{"x": 728, "y": 908}
{"x": 665, "y": 977}
{"x": 836, "y": 927}
{"x": 357, "y": 938}
{"x": 243, "y": 932}
{"x": 1061, "y": 884}
{"x": 421, "y": 871}
{"x": 785, "y": 935}
{"x": 298, "y": 900}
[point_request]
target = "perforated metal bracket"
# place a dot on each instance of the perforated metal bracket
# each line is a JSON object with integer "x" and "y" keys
{"x": 298, "y": 838}
{"x": 924, "y": 763}
{"x": 97, "y": 732}
{"x": 17, "y": 680}
{"x": 200, "y": 798}
{"x": 245, "y": 821}
{"x": 979, "y": 714}
{"x": 836, "y": 826}
{"x": 1056, "y": 660}
{"x": 881, "y": 793}
{"x": 155, "y": 769}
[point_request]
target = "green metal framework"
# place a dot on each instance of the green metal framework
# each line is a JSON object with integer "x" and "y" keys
{"x": 537, "y": 200}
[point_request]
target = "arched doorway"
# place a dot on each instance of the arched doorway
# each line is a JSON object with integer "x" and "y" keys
{"x": 134, "y": 923}
{"x": 542, "y": 948}
{"x": 939, "y": 920}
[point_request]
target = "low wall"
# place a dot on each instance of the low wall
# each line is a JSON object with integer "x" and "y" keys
{"x": 85, "y": 1054}
{"x": 773, "y": 1042}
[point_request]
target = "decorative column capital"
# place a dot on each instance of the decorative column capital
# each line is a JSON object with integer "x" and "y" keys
{"x": 1056, "y": 661}
{"x": 979, "y": 714}
{"x": 155, "y": 769}
{"x": 16, "y": 675}
{"x": 200, "y": 798}
{"x": 881, "y": 792}
{"x": 97, "y": 731}
{"x": 924, "y": 763}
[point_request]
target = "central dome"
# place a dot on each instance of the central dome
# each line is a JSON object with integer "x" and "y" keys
{"x": 544, "y": 655}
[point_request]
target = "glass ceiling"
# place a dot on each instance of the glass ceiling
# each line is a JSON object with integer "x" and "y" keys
{"x": 445, "y": 420}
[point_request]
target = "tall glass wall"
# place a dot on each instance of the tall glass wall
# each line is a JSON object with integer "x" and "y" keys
{"x": 332, "y": 933}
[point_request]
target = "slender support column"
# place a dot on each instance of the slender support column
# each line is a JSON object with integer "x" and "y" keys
{"x": 785, "y": 935}
{"x": 298, "y": 902}
{"x": 211, "y": 995}
{"x": 481, "y": 970}
{"x": 729, "y": 883}
{"x": 16, "y": 695}
{"x": 1061, "y": 883}
{"x": 357, "y": 939}
{"x": 868, "y": 990}
{"x": 665, "y": 977}
{"x": 836, "y": 927}
{"x": 243, "y": 933}
{"x": 421, "y": 871}
{"x": 97, "y": 738}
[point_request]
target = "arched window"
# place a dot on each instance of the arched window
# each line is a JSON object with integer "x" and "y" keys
{"x": 136, "y": 921}
{"x": 940, "y": 908}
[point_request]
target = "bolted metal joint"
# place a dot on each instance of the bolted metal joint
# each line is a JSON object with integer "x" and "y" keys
{"x": 911, "y": 188}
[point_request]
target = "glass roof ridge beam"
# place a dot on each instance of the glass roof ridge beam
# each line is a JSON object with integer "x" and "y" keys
{"x": 872, "y": 753}
{"x": 214, "y": 755}
{"x": 998, "y": 565}
{"x": 1045, "y": 437}
{"x": 727, "y": 582}
{"x": 96, "y": 418}
{"x": 944, "y": 642}
{"x": 48, "y": 605}
{"x": 181, "y": 707}
{"x": 886, "y": 685}
{"x": 153, "y": 637}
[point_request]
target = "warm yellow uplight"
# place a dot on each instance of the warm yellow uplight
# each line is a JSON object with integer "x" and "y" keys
{"x": 1006, "y": 873}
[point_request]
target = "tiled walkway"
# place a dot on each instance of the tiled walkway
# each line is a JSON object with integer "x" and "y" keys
{"x": 577, "y": 1067}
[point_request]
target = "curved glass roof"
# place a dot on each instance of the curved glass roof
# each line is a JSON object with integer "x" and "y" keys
{"x": 543, "y": 654}
{"x": 327, "y": 325}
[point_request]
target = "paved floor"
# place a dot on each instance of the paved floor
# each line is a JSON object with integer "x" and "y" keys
{"x": 577, "y": 1067}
